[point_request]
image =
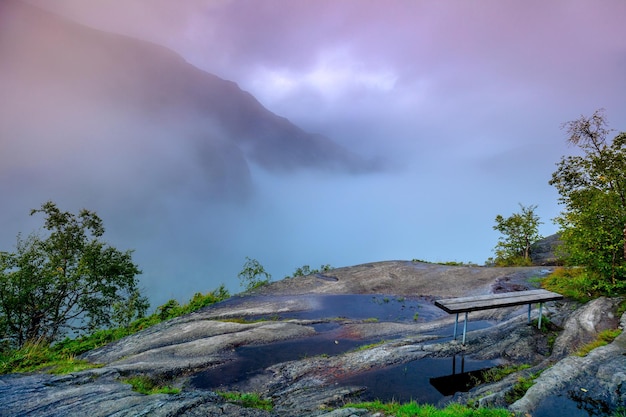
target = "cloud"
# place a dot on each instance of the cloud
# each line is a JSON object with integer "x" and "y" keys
{"x": 332, "y": 76}
{"x": 463, "y": 99}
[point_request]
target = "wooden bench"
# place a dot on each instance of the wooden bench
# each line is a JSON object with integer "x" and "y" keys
{"x": 487, "y": 302}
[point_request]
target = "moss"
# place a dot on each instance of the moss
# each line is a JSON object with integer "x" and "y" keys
{"x": 521, "y": 386}
{"x": 248, "y": 400}
{"x": 148, "y": 386}
{"x": 604, "y": 338}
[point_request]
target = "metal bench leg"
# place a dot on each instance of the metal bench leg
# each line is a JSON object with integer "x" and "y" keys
{"x": 456, "y": 323}
{"x": 539, "y": 322}
{"x": 464, "y": 327}
{"x": 529, "y": 306}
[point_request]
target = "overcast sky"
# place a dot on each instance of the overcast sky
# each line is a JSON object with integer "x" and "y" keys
{"x": 463, "y": 100}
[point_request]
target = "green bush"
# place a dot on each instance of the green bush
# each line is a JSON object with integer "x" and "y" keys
{"x": 253, "y": 275}
{"x": 575, "y": 283}
{"x": 61, "y": 355}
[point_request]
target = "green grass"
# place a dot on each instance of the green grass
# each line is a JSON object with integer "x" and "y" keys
{"x": 247, "y": 400}
{"x": 148, "y": 386}
{"x": 60, "y": 357}
{"x": 521, "y": 386}
{"x": 413, "y": 409}
{"x": 39, "y": 356}
{"x": 604, "y": 338}
{"x": 500, "y": 372}
{"x": 573, "y": 283}
{"x": 368, "y": 346}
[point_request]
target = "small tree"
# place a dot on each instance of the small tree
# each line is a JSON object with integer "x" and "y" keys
{"x": 520, "y": 232}
{"x": 253, "y": 275}
{"x": 592, "y": 188}
{"x": 66, "y": 281}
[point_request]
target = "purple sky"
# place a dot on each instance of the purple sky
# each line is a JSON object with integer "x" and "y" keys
{"x": 464, "y": 99}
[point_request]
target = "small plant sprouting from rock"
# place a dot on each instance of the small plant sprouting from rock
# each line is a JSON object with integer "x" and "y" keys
{"x": 414, "y": 409}
{"x": 521, "y": 386}
{"x": 370, "y": 346}
{"x": 500, "y": 372}
{"x": 248, "y": 400}
{"x": 604, "y": 338}
{"x": 305, "y": 270}
{"x": 148, "y": 386}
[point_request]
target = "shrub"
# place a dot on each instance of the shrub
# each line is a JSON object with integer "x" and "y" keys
{"x": 60, "y": 357}
{"x": 575, "y": 283}
{"x": 253, "y": 275}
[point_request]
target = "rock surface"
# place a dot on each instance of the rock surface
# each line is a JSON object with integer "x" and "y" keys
{"x": 311, "y": 384}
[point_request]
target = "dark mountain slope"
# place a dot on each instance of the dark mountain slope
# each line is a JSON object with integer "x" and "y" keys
{"x": 84, "y": 94}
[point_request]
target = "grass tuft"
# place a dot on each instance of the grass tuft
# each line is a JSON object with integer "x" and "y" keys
{"x": 146, "y": 385}
{"x": 604, "y": 338}
{"x": 248, "y": 400}
{"x": 38, "y": 356}
{"x": 521, "y": 386}
{"x": 413, "y": 409}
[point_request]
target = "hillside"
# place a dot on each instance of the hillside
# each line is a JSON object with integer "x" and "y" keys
{"x": 312, "y": 344}
{"x": 86, "y": 100}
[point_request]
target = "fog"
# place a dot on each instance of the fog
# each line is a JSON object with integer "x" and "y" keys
{"x": 462, "y": 104}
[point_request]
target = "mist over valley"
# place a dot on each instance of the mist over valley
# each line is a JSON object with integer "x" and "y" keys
{"x": 196, "y": 156}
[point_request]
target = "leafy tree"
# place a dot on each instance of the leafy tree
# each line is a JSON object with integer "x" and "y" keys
{"x": 592, "y": 187}
{"x": 253, "y": 274}
{"x": 520, "y": 232}
{"x": 68, "y": 280}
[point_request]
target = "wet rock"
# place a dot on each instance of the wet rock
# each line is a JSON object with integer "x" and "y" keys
{"x": 594, "y": 382}
{"x": 312, "y": 386}
{"x": 181, "y": 346}
{"x": 584, "y": 324}
{"x": 99, "y": 394}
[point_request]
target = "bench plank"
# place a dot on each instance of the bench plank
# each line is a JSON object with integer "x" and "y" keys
{"x": 489, "y": 301}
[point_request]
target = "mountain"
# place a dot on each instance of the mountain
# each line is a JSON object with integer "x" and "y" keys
{"x": 87, "y": 108}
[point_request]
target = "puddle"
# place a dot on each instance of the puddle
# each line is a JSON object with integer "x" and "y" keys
{"x": 362, "y": 307}
{"x": 425, "y": 381}
{"x": 251, "y": 360}
{"x": 572, "y": 405}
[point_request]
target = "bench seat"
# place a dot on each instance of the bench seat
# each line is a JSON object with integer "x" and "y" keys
{"x": 490, "y": 301}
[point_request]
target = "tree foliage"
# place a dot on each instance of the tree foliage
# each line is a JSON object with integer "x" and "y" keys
{"x": 592, "y": 188}
{"x": 519, "y": 232}
{"x": 253, "y": 275}
{"x": 305, "y": 270}
{"x": 67, "y": 280}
